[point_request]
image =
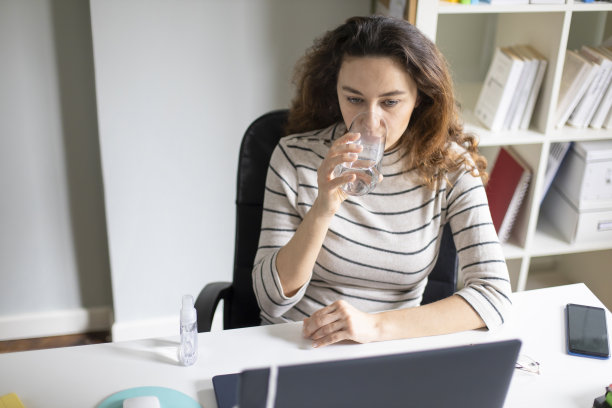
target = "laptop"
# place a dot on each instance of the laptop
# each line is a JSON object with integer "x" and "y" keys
{"x": 460, "y": 377}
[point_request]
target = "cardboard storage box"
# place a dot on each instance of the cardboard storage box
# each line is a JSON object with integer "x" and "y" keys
{"x": 577, "y": 225}
{"x": 585, "y": 176}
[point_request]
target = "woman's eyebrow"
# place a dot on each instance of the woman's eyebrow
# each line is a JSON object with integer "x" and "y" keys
{"x": 351, "y": 90}
{"x": 390, "y": 93}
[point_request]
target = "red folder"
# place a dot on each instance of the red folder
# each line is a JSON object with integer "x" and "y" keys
{"x": 508, "y": 184}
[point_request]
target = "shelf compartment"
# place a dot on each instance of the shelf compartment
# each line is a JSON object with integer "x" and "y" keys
{"x": 467, "y": 94}
{"x": 548, "y": 241}
{"x": 586, "y": 267}
{"x": 546, "y": 279}
{"x": 512, "y": 251}
{"x": 471, "y": 53}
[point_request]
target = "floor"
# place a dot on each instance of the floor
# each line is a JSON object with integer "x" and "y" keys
{"x": 9, "y": 346}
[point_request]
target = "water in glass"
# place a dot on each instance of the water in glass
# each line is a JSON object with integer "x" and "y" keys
{"x": 373, "y": 132}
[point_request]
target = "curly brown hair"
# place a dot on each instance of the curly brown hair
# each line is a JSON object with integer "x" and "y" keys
{"x": 434, "y": 123}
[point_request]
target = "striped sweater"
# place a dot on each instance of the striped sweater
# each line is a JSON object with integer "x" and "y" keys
{"x": 379, "y": 248}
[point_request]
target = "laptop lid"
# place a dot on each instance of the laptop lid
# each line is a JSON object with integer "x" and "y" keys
{"x": 461, "y": 377}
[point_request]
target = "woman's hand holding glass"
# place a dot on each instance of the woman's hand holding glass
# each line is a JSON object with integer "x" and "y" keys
{"x": 352, "y": 165}
{"x": 331, "y": 195}
{"x": 340, "y": 321}
{"x": 372, "y": 130}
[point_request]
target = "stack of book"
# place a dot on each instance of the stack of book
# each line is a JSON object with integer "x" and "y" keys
{"x": 508, "y": 96}
{"x": 585, "y": 94}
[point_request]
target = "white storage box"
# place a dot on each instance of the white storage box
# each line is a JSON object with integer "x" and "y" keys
{"x": 585, "y": 176}
{"x": 577, "y": 225}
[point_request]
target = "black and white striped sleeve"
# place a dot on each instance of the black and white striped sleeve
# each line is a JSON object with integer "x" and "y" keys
{"x": 280, "y": 219}
{"x": 481, "y": 260}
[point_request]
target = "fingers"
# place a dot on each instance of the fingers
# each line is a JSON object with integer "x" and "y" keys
{"x": 333, "y": 332}
{"x": 329, "y": 325}
{"x": 342, "y": 158}
{"x": 343, "y": 150}
{"x": 345, "y": 144}
{"x": 327, "y": 330}
{"x": 319, "y": 319}
{"x": 348, "y": 138}
{"x": 332, "y": 338}
{"x": 343, "y": 179}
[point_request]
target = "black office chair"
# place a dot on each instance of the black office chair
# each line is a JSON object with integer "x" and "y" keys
{"x": 240, "y": 306}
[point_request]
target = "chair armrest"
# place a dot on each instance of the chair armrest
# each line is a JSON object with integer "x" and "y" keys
{"x": 207, "y": 301}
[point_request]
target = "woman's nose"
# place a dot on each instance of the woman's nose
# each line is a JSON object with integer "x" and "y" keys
{"x": 375, "y": 109}
{"x": 372, "y": 119}
{"x": 376, "y": 116}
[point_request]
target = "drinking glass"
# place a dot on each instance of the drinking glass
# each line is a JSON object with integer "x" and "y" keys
{"x": 372, "y": 129}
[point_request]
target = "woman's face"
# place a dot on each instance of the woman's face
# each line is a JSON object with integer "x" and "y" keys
{"x": 380, "y": 85}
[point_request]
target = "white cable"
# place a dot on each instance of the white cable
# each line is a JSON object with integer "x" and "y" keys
{"x": 272, "y": 379}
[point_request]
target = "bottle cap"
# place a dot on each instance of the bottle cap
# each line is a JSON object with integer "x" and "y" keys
{"x": 188, "y": 312}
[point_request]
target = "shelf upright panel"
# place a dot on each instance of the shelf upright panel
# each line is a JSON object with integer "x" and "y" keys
{"x": 548, "y": 242}
{"x": 427, "y": 18}
{"x": 527, "y": 221}
{"x": 549, "y": 116}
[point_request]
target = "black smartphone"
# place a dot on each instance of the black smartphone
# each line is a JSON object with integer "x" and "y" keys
{"x": 587, "y": 332}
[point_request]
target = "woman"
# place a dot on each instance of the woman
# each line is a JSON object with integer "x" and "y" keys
{"x": 354, "y": 268}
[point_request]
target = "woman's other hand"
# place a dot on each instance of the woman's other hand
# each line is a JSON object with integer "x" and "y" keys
{"x": 330, "y": 194}
{"x": 340, "y": 321}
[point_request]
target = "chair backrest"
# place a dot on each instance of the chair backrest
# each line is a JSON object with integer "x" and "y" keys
{"x": 258, "y": 143}
{"x": 442, "y": 281}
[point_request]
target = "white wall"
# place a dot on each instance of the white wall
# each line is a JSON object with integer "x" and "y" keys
{"x": 54, "y": 268}
{"x": 177, "y": 84}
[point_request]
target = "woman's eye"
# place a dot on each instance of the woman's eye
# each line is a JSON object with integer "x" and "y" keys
{"x": 354, "y": 100}
{"x": 391, "y": 102}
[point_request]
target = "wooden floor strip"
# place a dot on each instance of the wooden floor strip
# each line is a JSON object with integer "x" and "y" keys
{"x": 9, "y": 346}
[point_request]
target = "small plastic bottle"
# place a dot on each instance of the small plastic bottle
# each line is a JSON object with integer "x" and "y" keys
{"x": 188, "y": 350}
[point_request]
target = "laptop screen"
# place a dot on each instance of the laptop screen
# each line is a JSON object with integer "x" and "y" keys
{"x": 461, "y": 377}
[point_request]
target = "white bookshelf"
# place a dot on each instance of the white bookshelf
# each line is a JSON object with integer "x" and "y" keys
{"x": 467, "y": 35}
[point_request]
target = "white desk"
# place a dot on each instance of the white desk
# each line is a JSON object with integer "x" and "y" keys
{"x": 83, "y": 376}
